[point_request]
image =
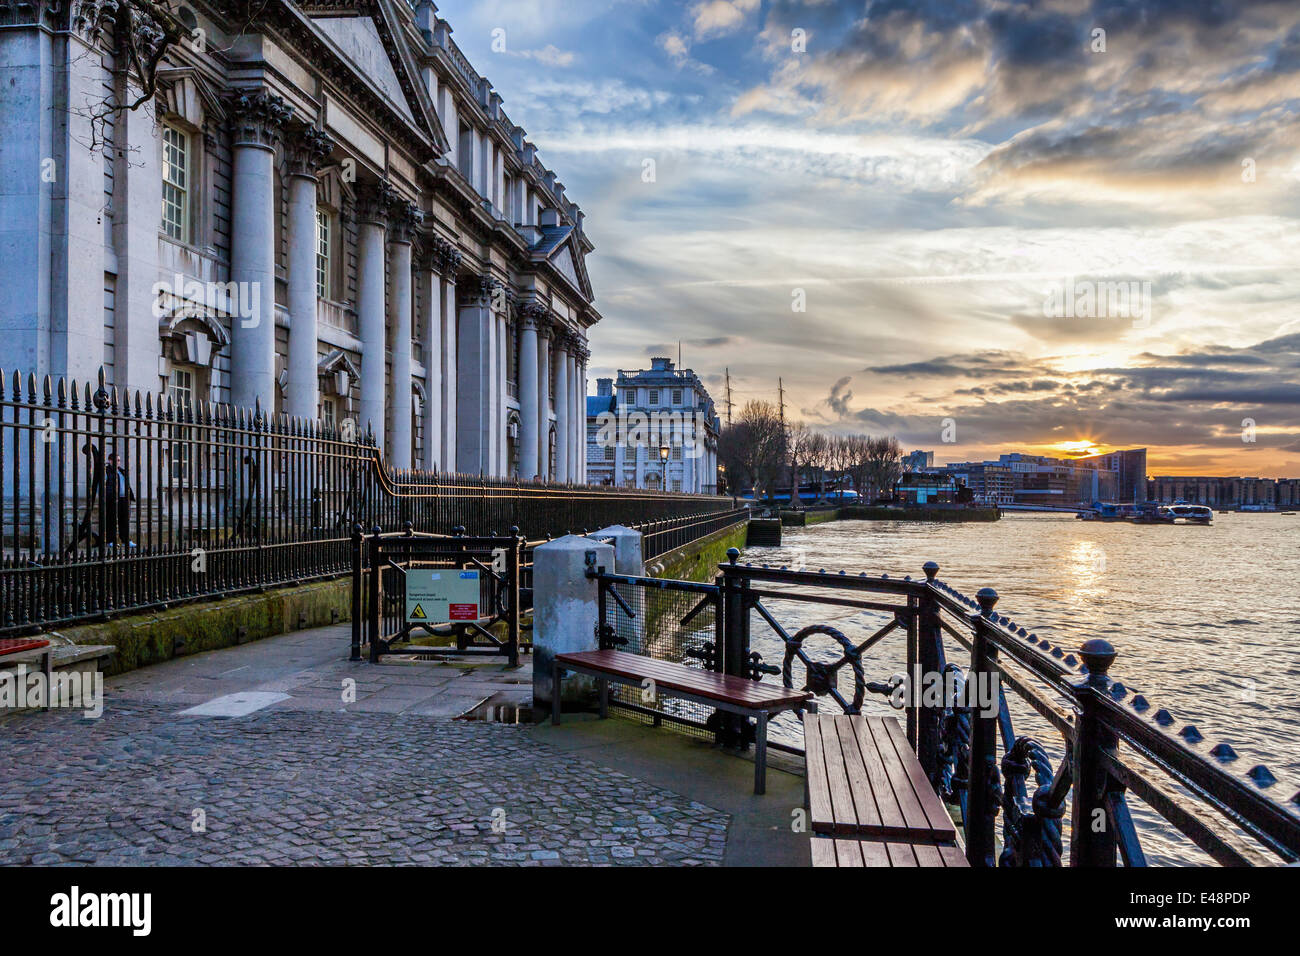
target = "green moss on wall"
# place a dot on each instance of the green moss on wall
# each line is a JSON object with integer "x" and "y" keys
{"x": 152, "y": 637}
{"x": 699, "y": 560}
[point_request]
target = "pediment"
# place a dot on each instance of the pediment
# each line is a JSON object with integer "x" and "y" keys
{"x": 370, "y": 38}
{"x": 566, "y": 259}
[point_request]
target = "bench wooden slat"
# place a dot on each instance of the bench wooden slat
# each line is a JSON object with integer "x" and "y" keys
{"x": 900, "y": 854}
{"x": 824, "y": 853}
{"x": 819, "y": 791}
{"x": 720, "y": 687}
{"x": 953, "y": 857}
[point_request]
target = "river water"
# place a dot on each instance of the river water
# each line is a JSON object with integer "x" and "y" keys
{"x": 1205, "y": 620}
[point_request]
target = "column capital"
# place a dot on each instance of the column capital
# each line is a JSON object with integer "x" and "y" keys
{"x": 403, "y": 220}
{"x": 373, "y": 200}
{"x": 257, "y": 116}
{"x": 89, "y": 17}
{"x": 307, "y": 148}
{"x": 487, "y": 291}
{"x": 534, "y": 315}
{"x": 441, "y": 256}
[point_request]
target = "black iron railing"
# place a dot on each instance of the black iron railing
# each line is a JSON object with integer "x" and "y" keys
{"x": 1114, "y": 743}
{"x": 116, "y": 501}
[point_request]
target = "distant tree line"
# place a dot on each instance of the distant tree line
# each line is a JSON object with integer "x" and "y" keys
{"x": 761, "y": 452}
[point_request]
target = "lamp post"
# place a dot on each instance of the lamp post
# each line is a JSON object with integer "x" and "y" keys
{"x": 663, "y": 467}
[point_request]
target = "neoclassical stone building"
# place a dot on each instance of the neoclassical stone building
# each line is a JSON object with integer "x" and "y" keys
{"x": 321, "y": 208}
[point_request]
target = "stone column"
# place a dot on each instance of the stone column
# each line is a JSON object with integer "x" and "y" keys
{"x": 372, "y": 222}
{"x": 528, "y": 395}
{"x": 503, "y": 374}
{"x": 544, "y": 397}
{"x": 575, "y": 412}
{"x": 562, "y": 399}
{"x": 476, "y": 413}
{"x": 406, "y": 218}
{"x": 450, "y": 261}
{"x": 431, "y": 335}
{"x": 256, "y": 117}
{"x": 308, "y": 147}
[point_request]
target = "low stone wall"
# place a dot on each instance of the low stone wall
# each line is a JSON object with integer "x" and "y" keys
{"x": 148, "y": 638}
{"x": 699, "y": 560}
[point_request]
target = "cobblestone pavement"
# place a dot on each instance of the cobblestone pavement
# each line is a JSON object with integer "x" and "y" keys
{"x": 315, "y": 787}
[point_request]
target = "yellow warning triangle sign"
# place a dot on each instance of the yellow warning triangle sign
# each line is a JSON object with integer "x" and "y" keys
{"x": 418, "y": 612}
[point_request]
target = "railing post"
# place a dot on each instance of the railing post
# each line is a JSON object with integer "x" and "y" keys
{"x": 930, "y": 659}
{"x": 983, "y": 799}
{"x": 513, "y": 562}
{"x": 376, "y": 601}
{"x": 1094, "y": 839}
{"x": 735, "y": 649}
{"x": 358, "y": 571}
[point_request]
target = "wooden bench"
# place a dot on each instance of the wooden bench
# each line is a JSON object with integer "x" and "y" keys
{"x": 735, "y": 695}
{"x": 19, "y": 649}
{"x": 829, "y": 851}
{"x": 869, "y": 799}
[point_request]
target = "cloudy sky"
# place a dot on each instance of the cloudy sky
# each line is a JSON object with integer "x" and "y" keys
{"x": 1050, "y": 222}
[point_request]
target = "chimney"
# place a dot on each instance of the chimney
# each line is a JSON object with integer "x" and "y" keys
{"x": 426, "y": 15}
{"x": 661, "y": 363}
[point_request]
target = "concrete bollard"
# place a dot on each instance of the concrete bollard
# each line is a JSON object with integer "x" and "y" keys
{"x": 627, "y": 548}
{"x": 627, "y": 560}
{"x": 565, "y": 609}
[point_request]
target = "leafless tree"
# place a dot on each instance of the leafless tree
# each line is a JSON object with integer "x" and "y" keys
{"x": 141, "y": 33}
{"x": 754, "y": 447}
{"x": 800, "y": 446}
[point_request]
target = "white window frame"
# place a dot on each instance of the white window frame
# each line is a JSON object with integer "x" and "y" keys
{"x": 324, "y": 250}
{"x": 176, "y": 140}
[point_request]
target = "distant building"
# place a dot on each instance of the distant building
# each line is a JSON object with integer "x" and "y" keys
{"x": 918, "y": 461}
{"x": 653, "y": 428}
{"x": 1265, "y": 494}
{"x": 919, "y": 488}
{"x": 1130, "y": 468}
{"x": 1044, "y": 482}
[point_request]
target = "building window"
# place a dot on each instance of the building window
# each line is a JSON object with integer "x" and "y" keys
{"x": 654, "y": 397}
{"x": 176, "y": 184}
{"x": 677, "y": 452}
{"x": 327, "y": 412}
{"x": 322, "y": 254}
{"x": 677, "y": 396}
{"x": 629, "y": 396}
{"x": 609, "y": 452}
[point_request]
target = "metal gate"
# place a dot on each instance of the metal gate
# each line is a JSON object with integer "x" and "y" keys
{"x": 381, "y": 563}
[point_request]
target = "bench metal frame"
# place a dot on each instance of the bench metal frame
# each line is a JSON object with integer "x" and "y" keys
{"x": 603, "y": 677}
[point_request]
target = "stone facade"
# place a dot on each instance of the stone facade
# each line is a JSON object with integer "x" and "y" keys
{"x": 323, "y": 210}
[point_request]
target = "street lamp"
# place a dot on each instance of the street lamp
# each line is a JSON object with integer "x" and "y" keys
{"x": 663, "y": 467}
